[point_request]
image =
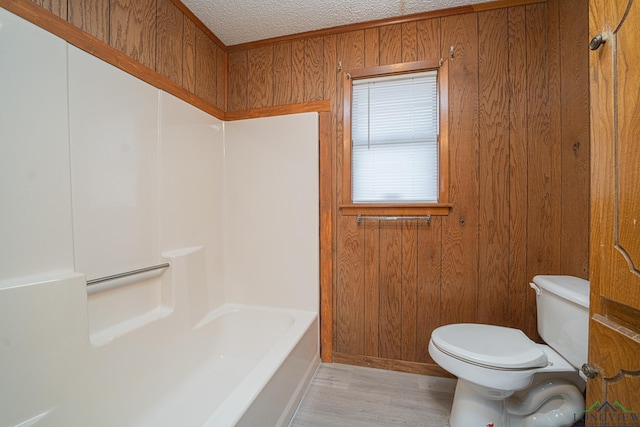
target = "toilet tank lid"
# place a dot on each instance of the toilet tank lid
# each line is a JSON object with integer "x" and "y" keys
{"x": 570, "y": 288}
{"x": 495, "y": 347}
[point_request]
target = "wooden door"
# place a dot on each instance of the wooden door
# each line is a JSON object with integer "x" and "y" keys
{"x": 613, "y": 394}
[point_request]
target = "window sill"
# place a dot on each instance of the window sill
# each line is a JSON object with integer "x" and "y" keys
{"x": 395, "y": 210}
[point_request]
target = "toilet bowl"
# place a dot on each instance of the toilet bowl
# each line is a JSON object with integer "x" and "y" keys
{"x": 506, "y": 379}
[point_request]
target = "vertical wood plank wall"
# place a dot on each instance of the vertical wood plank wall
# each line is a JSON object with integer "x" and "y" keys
{"x": 518, "y": 101}
{"x": 157, "y": 34}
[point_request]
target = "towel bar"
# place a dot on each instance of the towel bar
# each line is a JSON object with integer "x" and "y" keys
{"x": 128, "y": 273}
{"x": 427, "y": 218}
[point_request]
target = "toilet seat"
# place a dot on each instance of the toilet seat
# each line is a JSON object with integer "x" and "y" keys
{"x": 489, "y": 346}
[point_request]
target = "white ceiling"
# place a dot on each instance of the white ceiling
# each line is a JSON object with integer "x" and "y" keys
{"x": 241, "y": 21}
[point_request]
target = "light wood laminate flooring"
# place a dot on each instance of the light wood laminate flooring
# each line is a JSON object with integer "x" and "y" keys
{"x": 354, "y": 396}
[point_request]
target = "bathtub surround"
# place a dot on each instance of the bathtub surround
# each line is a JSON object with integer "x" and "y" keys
{"x": 101, "y": 174}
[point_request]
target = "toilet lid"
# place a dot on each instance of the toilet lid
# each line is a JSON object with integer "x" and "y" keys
{"x": 490, "y": 346}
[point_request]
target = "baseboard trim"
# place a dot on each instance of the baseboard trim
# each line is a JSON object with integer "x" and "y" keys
{"x": 392, "y": 364}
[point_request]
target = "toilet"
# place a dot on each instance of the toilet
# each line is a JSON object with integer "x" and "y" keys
{"x": 507, "y": 380}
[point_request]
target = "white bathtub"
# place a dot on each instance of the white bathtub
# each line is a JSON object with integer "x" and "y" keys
{"x": 238, "y": 365}
{"x": 260, "y": 362}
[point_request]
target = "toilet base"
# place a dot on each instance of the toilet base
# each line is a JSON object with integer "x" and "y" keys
{"x": 554, "y": 402}
{"x": 472, "y": 410}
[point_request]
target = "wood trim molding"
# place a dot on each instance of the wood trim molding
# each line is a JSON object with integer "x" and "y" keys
{"x": 86, "y": 42}
{"x": 492, "y": 5}
{"x": 326, "y": 237}
{"x": 388, "y": 21}
{"x": 443, "y": 137}
{"x": 347, "y": 93}
{"x": 392, "y": 69}
{"x": 393, "y": 365}
{"x": 304, "y": 107}
{"x": 434, "y": 209}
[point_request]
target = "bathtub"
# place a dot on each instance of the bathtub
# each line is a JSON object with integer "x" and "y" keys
{"x": 238, "y": 365}
{"x": 261, "y": 361}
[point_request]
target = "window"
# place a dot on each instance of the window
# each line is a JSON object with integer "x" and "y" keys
{"x": 395, "y": 151}
{"x": 394, "y": 139}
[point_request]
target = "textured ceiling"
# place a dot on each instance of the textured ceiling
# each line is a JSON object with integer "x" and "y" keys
{"x": 241, "y": 21}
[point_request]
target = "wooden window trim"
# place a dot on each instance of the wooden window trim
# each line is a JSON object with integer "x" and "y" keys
{"x": 440, "y": 208}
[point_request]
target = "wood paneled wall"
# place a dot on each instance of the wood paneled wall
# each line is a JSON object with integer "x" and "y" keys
{"x": 160, "y": 34}
{"x": 519, "y": 153}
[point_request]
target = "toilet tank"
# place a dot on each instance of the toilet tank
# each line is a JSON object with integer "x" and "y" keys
{"x": 563, "y": 315}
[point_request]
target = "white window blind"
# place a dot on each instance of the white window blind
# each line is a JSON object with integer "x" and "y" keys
{"x": 394, "y": 132}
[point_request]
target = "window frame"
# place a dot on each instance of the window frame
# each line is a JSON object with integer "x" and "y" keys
{"x": 347, "y": 206}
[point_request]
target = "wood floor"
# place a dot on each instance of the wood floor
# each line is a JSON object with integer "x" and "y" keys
{"x": 354, "y": 396}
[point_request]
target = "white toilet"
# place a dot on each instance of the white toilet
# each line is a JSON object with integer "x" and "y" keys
{"x": 504, "y": 378}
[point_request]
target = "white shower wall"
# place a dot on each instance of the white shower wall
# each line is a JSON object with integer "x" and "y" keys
{"x": 272, "y": 211}
{"x": 192, "y": 198}
{"x": 101, "y": 173}
{"x": 113, "y": 123}
{"x": 35, "y": 198}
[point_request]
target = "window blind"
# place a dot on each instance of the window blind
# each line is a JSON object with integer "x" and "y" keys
{"x": 394, "y": 132}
